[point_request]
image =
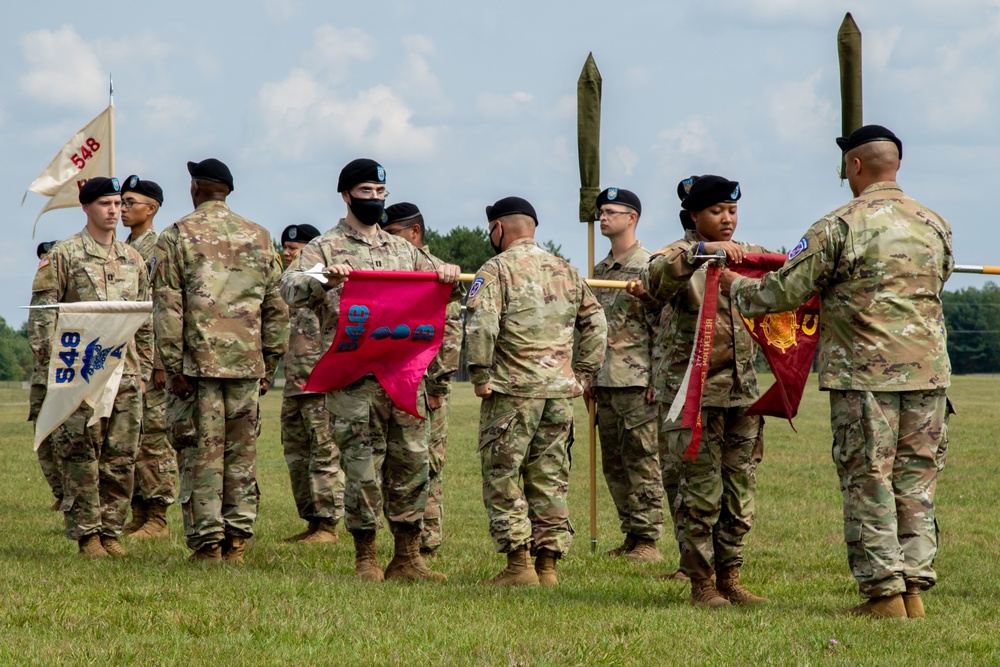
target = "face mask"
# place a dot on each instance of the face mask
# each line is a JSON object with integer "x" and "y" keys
{"x": 367, "y": 211}
{"x": 496, "y": 248}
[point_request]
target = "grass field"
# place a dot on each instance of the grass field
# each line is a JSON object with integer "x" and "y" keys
{"x": 295, "y": 605}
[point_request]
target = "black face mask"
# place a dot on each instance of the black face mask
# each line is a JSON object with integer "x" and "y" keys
{"x": 367, "y": 211}
{"x": 496, "y": 248}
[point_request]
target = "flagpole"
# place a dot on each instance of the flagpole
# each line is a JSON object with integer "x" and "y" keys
{"x": 111, "y": 120}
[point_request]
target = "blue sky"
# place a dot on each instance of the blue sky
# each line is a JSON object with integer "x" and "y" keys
{"x": 465, "y": 103}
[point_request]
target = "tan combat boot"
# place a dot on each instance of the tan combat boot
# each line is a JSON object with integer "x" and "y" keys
{"x": 624, "y": 547}
{"x": 325, "y": 533}
{"x": 888, "y": 606}
{"x": 911, "y": 600}
{"x": 310, "y": 529}
{"x": 210, "y": 553}
{"x": 90, "y": 546}
{"x": 233, "y": 549}
{"x": 545, "y": 567}
{"x": 365, "y": 558}
{"x": 112, "y": 546}
{"x": 705, "y": 594}
{"x": 407, "y": 563}
{"x": 138, "y": 516}
{"x": 729, "y": 587}
{"x": 518, "y": 572}
{"x": 156, "y": 523}
{"x": 644, "y": 551}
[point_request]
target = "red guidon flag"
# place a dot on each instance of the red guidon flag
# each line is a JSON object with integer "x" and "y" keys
{"x": 788, "y": 340}
{"x": 391, "y": 324}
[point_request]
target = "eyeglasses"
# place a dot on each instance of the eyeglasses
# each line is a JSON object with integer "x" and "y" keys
{"x": 371, "y": 193}
{"x": 607, "y": 213}
{"x": 129, "y": 203}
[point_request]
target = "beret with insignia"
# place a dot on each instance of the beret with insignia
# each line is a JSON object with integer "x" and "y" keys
{"x": 299, "y": 234}
{"x": 867, "y": 134}
{"x": 148, "y": 188}
{"x": 401, "y": 212}
{"x": 98, "y": 187}
{"x": 44, "y": 247}
{"x": 211, "y": 170}
{"x": 511, "y": 206}
{"x": 683, "y": 188}
{"x": 619, "y": 196}
{"x": 710, "y": 190}
{"x": 362, "y": 170}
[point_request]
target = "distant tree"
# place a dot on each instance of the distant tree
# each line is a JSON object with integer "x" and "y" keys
{"x": 16, "y": 357}
{"x": 550, "y": 246}
{"x": 469, "y": 248}
{"x": 972, "y": 318}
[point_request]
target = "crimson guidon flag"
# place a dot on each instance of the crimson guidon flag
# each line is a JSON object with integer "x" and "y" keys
{"x": 788, "y": 340}
{"x": 391, "y": 324}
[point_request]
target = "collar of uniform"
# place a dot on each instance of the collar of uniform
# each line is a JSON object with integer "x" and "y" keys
{"x": 141, "y": 236}
{"x": 381, "y": 237}
{"x": 94, "y": 248}
{"x": 691, "y": 235}
{"x": 527, "y": 240}
{"x": 882, "y": 185}
{"x": 213, "y": 203}
{"x": 609, "y": 261}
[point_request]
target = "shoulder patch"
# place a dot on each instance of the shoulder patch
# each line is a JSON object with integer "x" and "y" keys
{"x": 802, "y": 245}
{"x": 44, "y": 262}
{"x": 476, "y": 284}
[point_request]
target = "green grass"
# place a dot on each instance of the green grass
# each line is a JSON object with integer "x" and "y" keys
{"x": 294, "y": 605}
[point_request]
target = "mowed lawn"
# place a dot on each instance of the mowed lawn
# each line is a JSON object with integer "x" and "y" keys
{"x": 295, "y": 605}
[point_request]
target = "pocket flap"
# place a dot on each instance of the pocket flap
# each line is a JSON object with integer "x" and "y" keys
{"x": 495, "y": 428}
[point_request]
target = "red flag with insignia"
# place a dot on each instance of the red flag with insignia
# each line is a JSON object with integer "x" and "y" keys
{"x": 391, "y": 324}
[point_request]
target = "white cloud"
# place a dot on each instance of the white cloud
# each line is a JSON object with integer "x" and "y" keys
{"x": 282, "y": 9}
{"x": 334, "y": 50}
{"x": 624, "y": 160}
{"x": 686, "y": 141}
{"x": 521, "y": 96}
{"x": 63, "y": 69}
{"x": 169, "y": 114}
{"x": 878, "y": 46}
{"x": 506, "y": 107}
{"x": 799, "y": 114}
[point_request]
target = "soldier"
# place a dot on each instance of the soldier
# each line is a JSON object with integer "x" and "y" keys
{"x": 95, "y": 462}
{"x": 39, "y": 376}
{"x": 221, "y": 328}
{"x": 523, "y": 307}
{"x": 626, "y": 411}
{"x": 879, "y": 264}
{"x": 714, "y": 508}
{"x": 155, "y": 486}
{"x": 383, "y": 449}
{"x": 312, "y": 456}
{"x": 405, "y": 220}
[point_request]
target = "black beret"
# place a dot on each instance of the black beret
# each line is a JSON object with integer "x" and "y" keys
{"x": 708, "y": 190}
{"x": 867, "y": 134}
{"x": 510, "y": 206}
{"x": 211, "y": 170}
{"x": 98, "y": 187}
{"x": 619, "y": 196}
{"x": 401, "y": 212}
{"x": 684, "y": 187}
{"x": 362, "y": 170}
{"x": 134, "y": 184}
{"x": 44, "y": 247}
{"x": 299, "y": 234}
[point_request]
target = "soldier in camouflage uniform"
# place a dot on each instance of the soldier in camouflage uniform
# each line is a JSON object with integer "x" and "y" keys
{"x": 96, "y": 462}
{"x": 714, "y": 508}
{"x": 36, "y": 396}
{"x": 523, "y": 307}
{"x": 383, "y": 449}
{"x": 155, "y": 463}
{"x": 312, "y": 455}
{"x": 626, "y": 412}
{"x": 879, "y": 264}
{"x": 404, "y": 220}
{"x": 221, "y": 328}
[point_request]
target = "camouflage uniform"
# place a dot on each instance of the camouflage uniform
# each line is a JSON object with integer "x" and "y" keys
{"x": 156, "y": 462}
{"x": 220, "y": 322}
{"x": 522, "y": 309}
{"x": 879, "y": 264}
{"x": 438, "y": 383}
{"x": 629, "y": 452}
{"x": 714, "y": 506}
{"x": 312, "y": 455}
{"x": 96, "y": 462}
{"x": 46, "y": 457}
{"x": 383, "y": 450}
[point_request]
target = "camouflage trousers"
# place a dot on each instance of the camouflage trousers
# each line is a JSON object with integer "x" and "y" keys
{"x": 431, "y": 537}
{"x": 889, "y": 448}
{"x": 156, "y": 462}
{"x": 96, "y": 464}
{"x": 215, "y": 434}
{"x": 714, "y": 509}
{"x": 670, "y": 462}
{"x": 630, "y": 459}
{"x": 527, "y": 440}
{"x": 313, "y": 457}
{"x": 383, "y": 452}
{"x": 46, "y": 457}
